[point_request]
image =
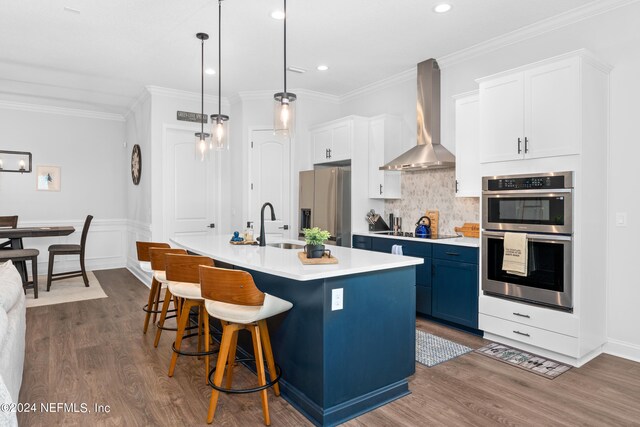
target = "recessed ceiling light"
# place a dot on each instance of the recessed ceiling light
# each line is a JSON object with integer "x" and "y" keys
{"x": 210, "y": 71}
{"x": 442, "y": 8}
{"x": 322, "y": 68}
{"x": 277, "y": 14}
{"x": 71, "y": 9}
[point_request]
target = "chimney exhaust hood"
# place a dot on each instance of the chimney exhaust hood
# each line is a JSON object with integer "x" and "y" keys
{"x": 428, "y": 153}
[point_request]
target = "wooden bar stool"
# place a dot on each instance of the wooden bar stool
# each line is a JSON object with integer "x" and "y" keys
{"x": 232, "y": 297}
{"x": 21, "y": 255}
{"x": 154, "y": 292}
{"x": 183, "y": 275}
{"x": 157, "y": 263}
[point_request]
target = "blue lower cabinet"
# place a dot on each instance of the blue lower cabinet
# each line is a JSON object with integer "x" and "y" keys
{"x": 362, "y": 242}
{"x": 423, "y": 299}
{"x": 455, "y": 292}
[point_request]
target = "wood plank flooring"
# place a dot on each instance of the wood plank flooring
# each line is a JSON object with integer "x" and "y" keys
{"x": 94, "y": 352}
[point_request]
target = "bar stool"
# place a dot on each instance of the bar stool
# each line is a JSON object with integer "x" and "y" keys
{"x": 21, "y": 255}
{"x": 154, "y": 293}
{"x": 157, "y": 263}
{"x": 183, "y": 276}
{"x": 232, "y": 297}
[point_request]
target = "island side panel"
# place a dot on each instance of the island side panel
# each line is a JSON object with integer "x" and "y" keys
{"x": 370, "y": 343}
{"x": 297, "y": 339}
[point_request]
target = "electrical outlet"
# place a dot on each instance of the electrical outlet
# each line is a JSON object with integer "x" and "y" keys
{"x": 621, "y": 219}
{"x": 336, "y": 299}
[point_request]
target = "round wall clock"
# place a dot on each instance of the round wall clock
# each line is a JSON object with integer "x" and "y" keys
{"x": 136, "y": 164}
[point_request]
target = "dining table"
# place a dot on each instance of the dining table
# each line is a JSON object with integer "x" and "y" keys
{"x": 15, "y": 236}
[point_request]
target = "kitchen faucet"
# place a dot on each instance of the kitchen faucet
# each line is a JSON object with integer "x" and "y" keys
{"x": 273, "y": 218}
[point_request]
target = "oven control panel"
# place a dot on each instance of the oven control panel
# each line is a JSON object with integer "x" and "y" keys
{"x": 525, "y": 183}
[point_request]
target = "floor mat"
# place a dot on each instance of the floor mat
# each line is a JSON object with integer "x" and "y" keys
{"x": 432, "y": 350}
{"x": 529, "y": 362}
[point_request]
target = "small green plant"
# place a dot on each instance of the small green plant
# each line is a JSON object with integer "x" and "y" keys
{"x": 315, "y": 236}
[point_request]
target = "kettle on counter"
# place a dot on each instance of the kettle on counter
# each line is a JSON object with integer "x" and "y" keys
{"x": 423, "y": 231}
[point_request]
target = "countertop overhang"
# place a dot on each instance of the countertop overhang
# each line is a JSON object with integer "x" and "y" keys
{"x": 285, "y": 262}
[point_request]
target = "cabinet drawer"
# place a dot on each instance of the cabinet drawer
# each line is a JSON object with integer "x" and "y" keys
{"x": 414, "y": 249}
{"x": 547, "y": 340}
{"x": 538, "y": 317}
{"x": 362, "y": 242}
{"x": 456, "y": 253}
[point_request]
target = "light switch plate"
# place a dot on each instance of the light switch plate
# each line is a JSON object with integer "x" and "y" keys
{"x": 621, "y": 219}
{"x": 336, "y": 299}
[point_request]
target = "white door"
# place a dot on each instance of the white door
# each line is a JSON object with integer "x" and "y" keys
{"x": 321, "y": 141}
{"x": 468, "y": 178}
{"x": 270, "y": 178}
{"x": 502, "y": 119}
{"x": 190, "y": 187}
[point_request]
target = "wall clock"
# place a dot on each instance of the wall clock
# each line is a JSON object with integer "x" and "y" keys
{"x": 136, "y": 164}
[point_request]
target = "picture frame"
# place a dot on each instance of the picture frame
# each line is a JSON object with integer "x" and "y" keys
{"x": 48, "y": 178}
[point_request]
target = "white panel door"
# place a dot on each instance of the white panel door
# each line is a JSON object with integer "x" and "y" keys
{"x": 341, "y": 141}
{"x": 552, "y": 109}
{"x": 190, "y": 187}
{"x": 502, "y": 119}
{"x": 270, "y": 177}
{"x": 321, "y": 141}
{"x": 468, "y": 178}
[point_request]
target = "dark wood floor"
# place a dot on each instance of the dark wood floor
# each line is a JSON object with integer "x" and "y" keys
{"x": 94, "y": 352}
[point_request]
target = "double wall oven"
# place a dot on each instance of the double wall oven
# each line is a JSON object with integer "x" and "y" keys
{"x": 540, "y": 205}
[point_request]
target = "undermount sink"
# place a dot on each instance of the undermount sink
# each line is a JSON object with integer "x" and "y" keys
{"x": 285, "y": 245}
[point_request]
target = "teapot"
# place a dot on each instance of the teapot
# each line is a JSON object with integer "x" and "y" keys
{"x": 423, "y": 231}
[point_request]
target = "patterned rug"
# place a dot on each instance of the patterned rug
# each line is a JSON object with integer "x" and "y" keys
{"x": 432, "y": 350}
{"x": 529, "y": 362}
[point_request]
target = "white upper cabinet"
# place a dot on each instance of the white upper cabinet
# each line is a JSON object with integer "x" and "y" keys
{"x": 332, "y": 141}
{"x": 531, "y": 113}
{"x": 467, "y": 126}
{"x": 385, "y": 137}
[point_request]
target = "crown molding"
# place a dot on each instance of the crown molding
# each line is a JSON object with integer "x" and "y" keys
{"x": 561, "y": 20}
{"x": 318, "y": 96}
{"x": 185, "y": 95}
{"x": 404, "y": 76}
{"x": 140, "y": 99}
{"x": 63, "y": 111}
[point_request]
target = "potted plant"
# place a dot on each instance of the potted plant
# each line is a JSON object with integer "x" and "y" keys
{"x": 315, "y": 238}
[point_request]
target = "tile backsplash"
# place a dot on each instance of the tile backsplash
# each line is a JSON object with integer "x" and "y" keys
{"x": 432, "y": 190}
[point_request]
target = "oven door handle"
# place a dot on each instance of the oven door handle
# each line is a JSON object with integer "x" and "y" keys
{"x": 520, "y": 193}
{"x": 533, "y": 237}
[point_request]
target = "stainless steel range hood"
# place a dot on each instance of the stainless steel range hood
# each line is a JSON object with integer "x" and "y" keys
{"x": 428, "y": 154}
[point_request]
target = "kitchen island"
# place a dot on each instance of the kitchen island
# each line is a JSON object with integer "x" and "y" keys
{"x": 336, "y": 364}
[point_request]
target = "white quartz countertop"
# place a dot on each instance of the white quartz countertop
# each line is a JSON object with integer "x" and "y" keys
{"x": 285, "y": 262}
{"x": 457, "y": 241}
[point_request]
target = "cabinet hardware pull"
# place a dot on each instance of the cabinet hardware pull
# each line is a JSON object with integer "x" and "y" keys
{"x": 522, "y": 315}
{"x": 526, "y": 144}
{"x": 452, "y": 253}
{"x": 326, "y": 153}
{"x": 519, "y": 146}
{"x": 329, "y": 152}
{"x": 456, "y": 185}
{"x": 521, "y": 333}
{"x": 212, "y": 225}
{"x": 380, "y": 188}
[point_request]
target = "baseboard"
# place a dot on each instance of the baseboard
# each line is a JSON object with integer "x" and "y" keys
{"x": 623, "y": 349}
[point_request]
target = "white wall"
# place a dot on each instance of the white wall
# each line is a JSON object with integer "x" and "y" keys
{"x": 89, "y": 150}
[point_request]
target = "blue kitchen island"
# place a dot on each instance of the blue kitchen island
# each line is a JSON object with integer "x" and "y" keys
{"x": 337, "y": 364}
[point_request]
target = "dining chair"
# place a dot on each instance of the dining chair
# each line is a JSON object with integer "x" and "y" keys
{"x": 8, "y": 222}
{"x": 70, "y": 249}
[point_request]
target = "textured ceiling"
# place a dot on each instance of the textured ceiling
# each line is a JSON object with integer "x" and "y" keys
{"x": 104, "y": 55}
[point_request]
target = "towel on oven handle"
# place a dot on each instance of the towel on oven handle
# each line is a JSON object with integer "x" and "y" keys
{"x": 516, "y": 256}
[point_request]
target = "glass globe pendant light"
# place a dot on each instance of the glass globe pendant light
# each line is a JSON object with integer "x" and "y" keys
{"x": 284, "y": 114}
{"x": 219, "y": 121}
{"x": 203, "y": 139}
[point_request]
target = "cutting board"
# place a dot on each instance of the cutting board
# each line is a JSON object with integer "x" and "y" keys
{"x": 469, "y": 229}
{"x": 244, "y": 242}
{"x": 326, "y": 259}
{"x": 434, "y": 217}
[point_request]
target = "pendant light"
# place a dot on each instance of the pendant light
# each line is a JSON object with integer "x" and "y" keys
{"x": 203, "y": 139}
{"x": 284, "y": 117}
{"x": 219, "y": 121}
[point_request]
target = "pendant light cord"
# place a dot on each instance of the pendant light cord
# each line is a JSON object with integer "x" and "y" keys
{"x": 285, "y": 48}
{"x": 219, "y": 59}
{"x": 202, "y": 89}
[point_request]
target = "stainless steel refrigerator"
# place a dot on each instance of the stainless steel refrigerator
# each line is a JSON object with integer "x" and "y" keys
{"x": 325, "y": 202}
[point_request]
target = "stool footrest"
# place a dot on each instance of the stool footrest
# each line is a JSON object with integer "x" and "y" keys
{"x": 192, "y": 353}
{"x": 148, "y": 310}
{"x": 245, "y": 390}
